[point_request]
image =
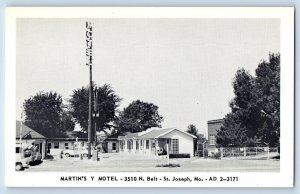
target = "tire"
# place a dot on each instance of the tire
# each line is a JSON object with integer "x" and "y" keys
{"x": 19, "y": 167}
{"x": 67, "y": 155}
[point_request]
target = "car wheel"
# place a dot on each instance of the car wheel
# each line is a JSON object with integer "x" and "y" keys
{"x": 19, "y": 167}
{"x": 67, "y": 155}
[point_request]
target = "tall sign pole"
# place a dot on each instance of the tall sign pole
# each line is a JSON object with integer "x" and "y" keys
{"x": 89, "y": 62}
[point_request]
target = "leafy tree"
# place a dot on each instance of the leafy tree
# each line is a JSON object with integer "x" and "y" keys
{"x": 44, "y": 113}
{"x": 138, "y": 116}
{"x": 67, "y": 123}
{"x": 267, "y": 97}
{"x": 201, "y": 139}
{"x": 192, "y": 129}
{"x": 108, "y": 102}
{"x": 255, "y": 114}
{"x": 239, "y": 126}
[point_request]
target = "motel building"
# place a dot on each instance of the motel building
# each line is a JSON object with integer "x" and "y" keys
{"x": 45, "y": 145}
{"x": 27, "y": 137}
{"x": 111, "y": 144}
{"x": 157, "y": 141}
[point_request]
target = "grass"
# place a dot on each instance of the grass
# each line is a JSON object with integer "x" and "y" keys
{"x": 170, "y": 165}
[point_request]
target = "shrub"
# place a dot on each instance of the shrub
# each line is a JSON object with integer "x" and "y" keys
{"x": 171, "y": 165}
{"x": 216, "y": 155}
{"x": 184, "y": 155}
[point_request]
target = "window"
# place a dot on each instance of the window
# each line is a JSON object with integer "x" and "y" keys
{"x": 141, "y": 144}
{"x": 17, "y": 149}
{"x": 56, "y": 145}
{"x": 48, "y": 147}
{"x": 114, "y": 146}
{"x": 153, "y": 144}
{"x": 66, "y": 146}
{"x": 147, "y": 144}
{"x": 128, "y": 145}
{"x": 175, "y": 146}
{"x": 37, "y": 146}
{"x": 137, "y": 145}
{"x": 212, "y": 140}
{"x": 122, "y": 145}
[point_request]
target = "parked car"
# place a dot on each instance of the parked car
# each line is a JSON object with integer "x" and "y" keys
{"x": 21, "y": 162}
{"x": 71, "y": 153}
{"x": 160, "y": 151}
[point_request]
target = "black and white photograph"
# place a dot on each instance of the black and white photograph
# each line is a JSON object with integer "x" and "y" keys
{"x": 159, "y": 95}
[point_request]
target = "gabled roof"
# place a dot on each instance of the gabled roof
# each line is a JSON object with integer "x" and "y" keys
{"x": 132, "y": 135}
{"x": 113, "y": 137}
{"x": 128, "y": 135}
{"x": 27, "y": 132}
{"x": 161, "y": 132}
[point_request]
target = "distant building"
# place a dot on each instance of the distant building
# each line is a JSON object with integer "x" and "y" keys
{"x": 110, "y": 144}
{"x": 57, "y": 144}
{"x": 45, "y": 145}
{"x": 27, "y": 137}
{"x": 213, "y": 126}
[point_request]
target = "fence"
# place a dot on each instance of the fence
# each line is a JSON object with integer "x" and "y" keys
{"x": 238, "y": 152}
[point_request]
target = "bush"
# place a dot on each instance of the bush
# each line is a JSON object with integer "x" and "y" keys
{"x": 171, "y": 165}
{"x": 184, "y": 155}
{"x": 216, "y": 155}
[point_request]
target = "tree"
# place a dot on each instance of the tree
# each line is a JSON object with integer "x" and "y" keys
{"x": 255, "y": 109}
{"x": 239, "y": 127}
{"x": 138, "y": 116}
{"x": 192, "y": 129}
{"x": 67, "y": 123}
{"x": 44, "y": 113}
{"x": 267, "y": 97}
{"x": 198, "y": 142}
{"x": 108, "y": 102}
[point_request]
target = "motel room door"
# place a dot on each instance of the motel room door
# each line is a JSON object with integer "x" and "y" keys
{"x": 39, "y": 147}
{"x": 114, "y": 147}
{"x": 153, "y": 147}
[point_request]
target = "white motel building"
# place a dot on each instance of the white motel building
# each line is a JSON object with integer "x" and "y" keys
{"x": 156, "y": 141}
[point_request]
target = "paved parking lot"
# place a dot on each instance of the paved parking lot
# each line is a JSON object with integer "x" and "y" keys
{"x": 140, "y": 163}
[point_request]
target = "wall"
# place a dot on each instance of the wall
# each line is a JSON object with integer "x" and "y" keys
{"x": 28, "y": 142}
{"x": 186, "y": 143}
{"x": 213, "y": 126}
{"x": 61, "y": 144}
{"x": 110, "y": 145}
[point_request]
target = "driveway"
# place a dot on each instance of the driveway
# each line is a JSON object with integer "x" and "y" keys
{"x": 117, "y": 162}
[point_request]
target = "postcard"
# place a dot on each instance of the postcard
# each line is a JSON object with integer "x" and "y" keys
{"x": 149, "y": 97}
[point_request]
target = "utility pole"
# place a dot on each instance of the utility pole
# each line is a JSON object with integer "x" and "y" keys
{"x": 21, "y": 130}
{"x": 89, "y": 62}
{"x": 90, "y": 116}
{"x": 96, "y": 115}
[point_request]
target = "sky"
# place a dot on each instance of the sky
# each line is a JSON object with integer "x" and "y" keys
{"x": 184, "y": 66}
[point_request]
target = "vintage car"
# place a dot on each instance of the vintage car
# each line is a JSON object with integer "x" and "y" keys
{"x": 71, "y": 153}
{"x": 26, "y": 159}
{"x": 21, "y": 162}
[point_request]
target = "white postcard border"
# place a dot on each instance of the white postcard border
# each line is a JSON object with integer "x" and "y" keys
{"x": 285, "y": 178}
